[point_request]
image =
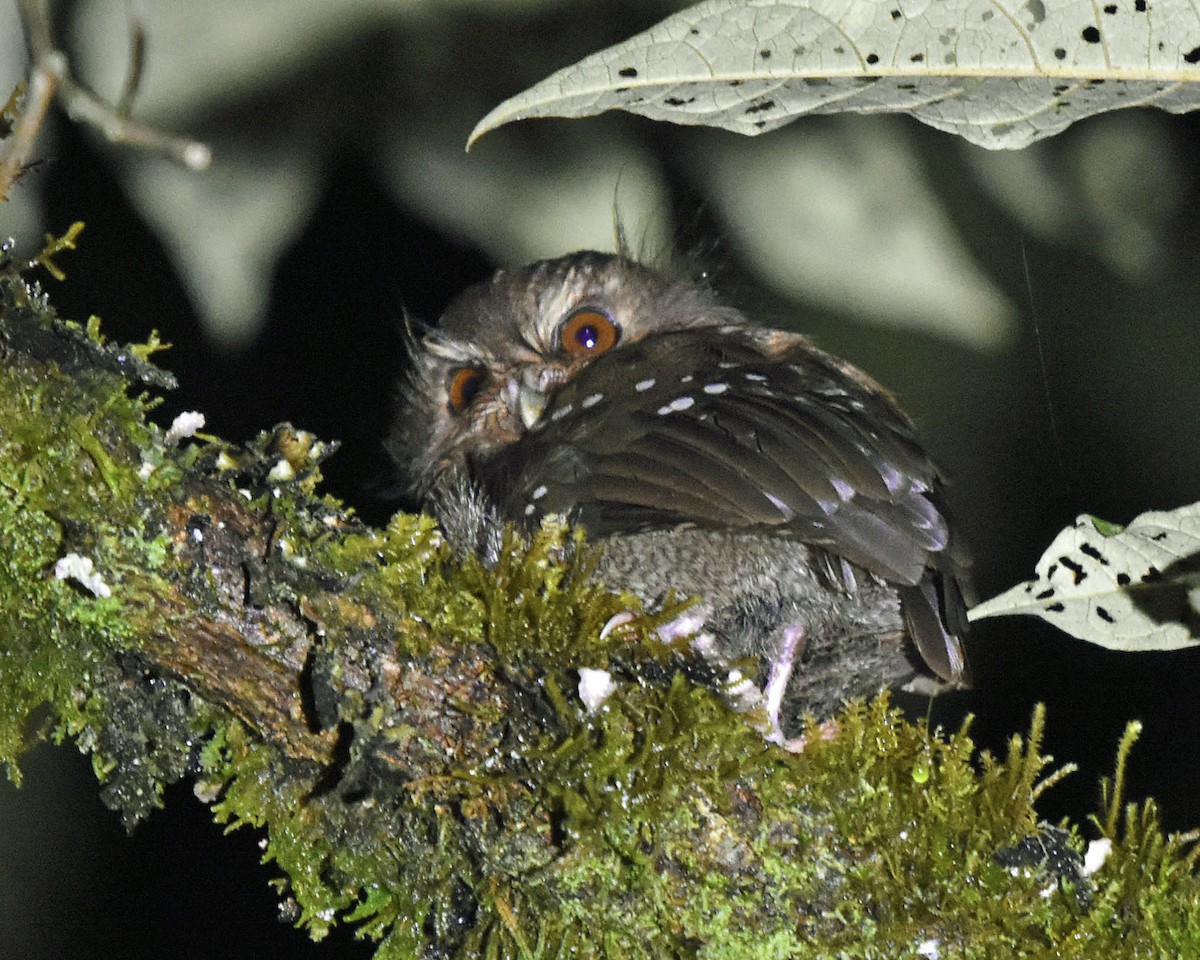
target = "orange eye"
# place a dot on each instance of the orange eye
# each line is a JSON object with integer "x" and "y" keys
{"x": 464, "y": 386}
{"x": 588, "y": 333}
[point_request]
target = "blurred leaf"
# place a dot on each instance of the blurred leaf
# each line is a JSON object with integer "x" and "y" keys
{"x": 1136, "y": 589}
{"x": 221, "y": 49}
{"x": 520, "y": 204}
{"x": 1001, "y": 75}
{"x": 1089, "y": 190}
{"x": 225, "y": 230}
{"x": 843, "y": 214}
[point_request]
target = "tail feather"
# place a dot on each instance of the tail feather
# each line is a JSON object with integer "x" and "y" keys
{"x": 934, "y": 613}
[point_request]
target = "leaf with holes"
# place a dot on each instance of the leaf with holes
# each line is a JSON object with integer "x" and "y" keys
{"x": 1001, "y": 74}
{"x": 1136, "y": 588}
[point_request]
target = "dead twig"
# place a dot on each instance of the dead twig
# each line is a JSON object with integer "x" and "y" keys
{"x": 44, "y": 81}
{"x": 50, "y": 76}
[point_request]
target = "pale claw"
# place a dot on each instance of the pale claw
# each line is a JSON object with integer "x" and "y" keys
{"x": 616, "y": 620}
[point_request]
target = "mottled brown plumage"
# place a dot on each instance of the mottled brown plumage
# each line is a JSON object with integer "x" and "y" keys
{"x": 709, "y": 455}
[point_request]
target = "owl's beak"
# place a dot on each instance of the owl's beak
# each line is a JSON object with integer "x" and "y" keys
{"x": 530, "y": 403}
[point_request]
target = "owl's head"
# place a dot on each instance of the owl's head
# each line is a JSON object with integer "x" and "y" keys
{"x": 482, "y": 378}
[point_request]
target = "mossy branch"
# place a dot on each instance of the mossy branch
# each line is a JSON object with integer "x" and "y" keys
{"x": 407, "y": 727}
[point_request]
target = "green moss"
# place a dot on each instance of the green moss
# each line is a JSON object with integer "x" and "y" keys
{"x": 68, "y": 484}
{"x": 56, "y": 245}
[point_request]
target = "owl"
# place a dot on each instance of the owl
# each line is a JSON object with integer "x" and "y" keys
{"x": 780, "y": 485}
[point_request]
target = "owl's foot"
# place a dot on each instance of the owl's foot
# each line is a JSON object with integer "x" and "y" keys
{"x": 791, "y": 646}
{"x": 684, "y": 625}
{"x": 742, "y": 693}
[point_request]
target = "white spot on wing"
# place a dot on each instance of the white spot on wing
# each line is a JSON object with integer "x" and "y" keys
{"x": 643, "y": 385}
{"x": 844, "y": 490}
{"x": 539, "y": 492}
{"x": 779, "y": 505}
{"x": 592, "y": 400}
{"x": 677, "y": 405}
{"x": 564, "y": 411}
{"x": 716, "y": 388}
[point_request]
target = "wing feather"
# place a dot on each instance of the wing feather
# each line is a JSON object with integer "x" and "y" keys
{"x": 740, "y": 434}
{"x": 745, "y": 430}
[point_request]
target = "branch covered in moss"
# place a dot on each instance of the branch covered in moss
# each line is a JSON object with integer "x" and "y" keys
{"x": 407, "y": 725}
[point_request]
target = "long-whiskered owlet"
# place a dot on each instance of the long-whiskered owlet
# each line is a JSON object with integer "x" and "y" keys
{"x": 708, "y": 456}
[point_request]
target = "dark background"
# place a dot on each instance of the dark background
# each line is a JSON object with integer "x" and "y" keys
{"x": 1093, "y": 407}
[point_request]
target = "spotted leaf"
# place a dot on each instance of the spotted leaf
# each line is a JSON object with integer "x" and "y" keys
{"x": 1136, "y": 588}
{"x": 1000, "y": 74}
